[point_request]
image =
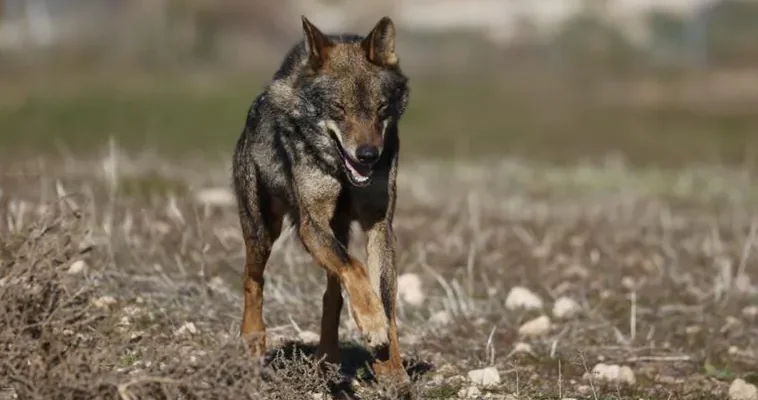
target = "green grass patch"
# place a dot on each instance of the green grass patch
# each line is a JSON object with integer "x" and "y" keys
{"x": 447, "y": 117}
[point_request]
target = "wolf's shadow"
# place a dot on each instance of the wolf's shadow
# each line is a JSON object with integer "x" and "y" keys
{"x": 354, "y": 363}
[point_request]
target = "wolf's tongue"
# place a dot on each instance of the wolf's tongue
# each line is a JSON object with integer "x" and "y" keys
{"x": 359, "y": 176}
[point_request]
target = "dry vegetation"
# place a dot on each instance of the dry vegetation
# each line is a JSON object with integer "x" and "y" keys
{"x": 120, "y": 276}
{"x": 120, "y": 280}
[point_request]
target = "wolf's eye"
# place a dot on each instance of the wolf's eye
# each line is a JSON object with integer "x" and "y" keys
{"x": 382, "y": 109}
{"x": 337, "y": 110}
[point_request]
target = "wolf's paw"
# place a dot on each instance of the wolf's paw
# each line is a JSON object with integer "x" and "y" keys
{"x": 375, "y": 329}
{"x": 256, "y": 343}
{"x": 377, "y": 336}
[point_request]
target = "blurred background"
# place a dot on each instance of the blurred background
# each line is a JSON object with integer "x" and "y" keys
{"x": 648, "y": 82}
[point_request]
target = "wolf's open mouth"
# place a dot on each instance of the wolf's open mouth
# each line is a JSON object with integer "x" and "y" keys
{"x": 359, "y": 174}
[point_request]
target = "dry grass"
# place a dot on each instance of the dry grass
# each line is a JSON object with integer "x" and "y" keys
{"x": 662, "y": 263}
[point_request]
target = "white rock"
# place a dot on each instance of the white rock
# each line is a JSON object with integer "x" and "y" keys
{"x": 440, "y": 318}
{"x": 217, "y": 284}
{"x": 104, "y": 301}
{"x": 309, "y": 337}
{"x": 628, "y": 282}
{"x": 409, "y": 289}
{"x": 521, "y": 297}
{"x": 612, "y": 373}
{"x": 221, "y": 197}
{"x": 485, "y": 376}
{"x": 317, "y": 395}
{"x": 535, "y": 327}
{"x": 626, "y": 375}
{"x": 565, "y": 307}
{"x": 471, "y": 392}
{"x": 692, "y": 329}
{"x": 77, "y": 267}
{"x": 187, "y": 328}
{"x": 750, "y": 312}
{"x": 742, "y": 284}
{"x": 124, "y": 321}
{"x": 522, "y": 347}
{"x": 741, "y": 390}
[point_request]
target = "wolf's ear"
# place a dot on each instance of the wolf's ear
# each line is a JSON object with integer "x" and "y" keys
{"x": 379, "y": 44}
{"x": 316, "y": 44}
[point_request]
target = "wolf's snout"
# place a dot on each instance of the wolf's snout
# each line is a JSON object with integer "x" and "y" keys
{"x": 367, "y": 154}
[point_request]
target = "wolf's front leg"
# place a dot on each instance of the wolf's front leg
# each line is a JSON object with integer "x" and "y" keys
{"x": 364, "y": 303}
{"x": 383, "y": 272}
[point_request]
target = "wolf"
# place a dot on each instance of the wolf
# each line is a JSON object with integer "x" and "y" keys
{"x": 320, "y": 146}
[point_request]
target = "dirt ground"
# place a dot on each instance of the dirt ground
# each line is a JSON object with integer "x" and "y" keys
{"x": 120, "y": 279}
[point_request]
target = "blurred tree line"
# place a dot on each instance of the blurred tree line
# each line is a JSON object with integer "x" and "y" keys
{"x": 230, "y": 32}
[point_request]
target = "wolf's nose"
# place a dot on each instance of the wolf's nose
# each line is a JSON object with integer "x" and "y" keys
{"x": 367, "y": 154}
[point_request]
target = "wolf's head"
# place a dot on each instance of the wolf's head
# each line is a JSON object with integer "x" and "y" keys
{"x": 354, "y": 88}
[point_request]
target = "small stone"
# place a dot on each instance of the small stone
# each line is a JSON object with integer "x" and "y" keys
{"x": 522, "y": 347}
{"x": 521, "y": 297}
{"x": 309, "y": 337}
{"x": 626, "y": 375}
{"x": 104, "y": 302}
{"x": 741, "y": 390}
{"x": 187, "y": 328}
{"x": 565, "y": 307}
{"x": 471, "y": 392}
{"x": 77, "y": 267}
{"x": 485, "y": 376}
{"x": 535, "y": 327}
{"x": 409, "y": 289}
{"x": 217, "y": 284}
{"x": 750, "y": 312}
{"x": 742, "y": 284}
{"x": 628, "y": 282}
{"x": 317, "y": 395}
{"x": 692, "y": 329}
{"x": 612, "y": 373}
{"x": 669, "y": 380}
{"x": 440, "y": 318}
